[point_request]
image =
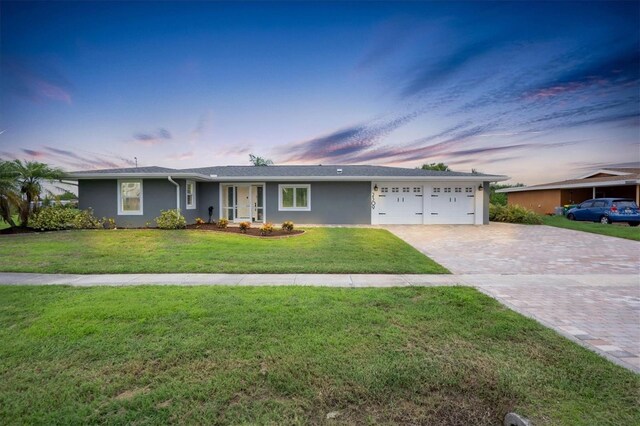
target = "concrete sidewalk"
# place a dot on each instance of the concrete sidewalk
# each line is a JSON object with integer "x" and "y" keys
{"x": 324, "y": 280}
{"x": 321, "y": 280}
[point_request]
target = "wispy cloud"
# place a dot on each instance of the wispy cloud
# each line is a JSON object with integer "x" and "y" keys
{"x": 153, "y": 138}
{"x": 613, "y": 69}
{"x": 37, "y": 83}
{"x": 202, "y": 128}
{"x": 345, "y": 142}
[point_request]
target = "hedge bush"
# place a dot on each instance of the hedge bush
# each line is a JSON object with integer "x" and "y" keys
{"x": 513, "y": 214}
{"x": 56, "y": 218}
{"x": 170, "y": 219}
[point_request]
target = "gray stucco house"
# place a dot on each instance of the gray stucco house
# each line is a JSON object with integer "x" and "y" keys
{"x": 320, "y": 194}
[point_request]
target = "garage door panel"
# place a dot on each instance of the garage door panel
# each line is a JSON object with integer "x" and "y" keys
{"x": 399, "y": 203}
{"x": 450, "y": 203}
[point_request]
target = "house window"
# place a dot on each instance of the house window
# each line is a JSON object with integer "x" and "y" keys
{"x": 458, "y": 189}
{"x": 191, "y": 195}
{"x": 130, "y": 197}
{"x": 468, "y": 189}
{"x": 294, "y": 197}
{"x": 384, "y": 189}
{"x": 417, "y": 189}
{"x": 405, "y": 189}
{"x": 447, "y": 190}
{"x": 394, "y": 189}
{"x": 436, "y": 189}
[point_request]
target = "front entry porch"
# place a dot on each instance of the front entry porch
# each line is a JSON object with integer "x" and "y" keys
{"x": 242, "y": 202}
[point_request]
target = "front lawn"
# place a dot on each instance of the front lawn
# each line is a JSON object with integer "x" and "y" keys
{"x": 613, "y": 230}
{"x": 265, "y": 355}
{"x": 319, "y": 250}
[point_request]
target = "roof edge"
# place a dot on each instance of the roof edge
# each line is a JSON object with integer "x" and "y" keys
{"x": 571, "y": 185}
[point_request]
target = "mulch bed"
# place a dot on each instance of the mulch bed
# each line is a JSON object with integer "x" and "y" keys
{"x": 253, "y": 231}
{"x": 18, "y": 230}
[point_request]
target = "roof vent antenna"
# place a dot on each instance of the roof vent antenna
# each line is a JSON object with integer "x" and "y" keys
{"x": 136, "y": 158}
{"x": 339, "y": 171}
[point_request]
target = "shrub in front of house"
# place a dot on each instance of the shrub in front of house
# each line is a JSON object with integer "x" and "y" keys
{"x": 223, "y": 223}
{"x": 86, "y": 220}
{"x": 57, "y": 218}
{"x": 244, "y": 226}
{"x": 170, "y": 219}
{"x": 287, "y": 226}
{"x": 513, "y": 214}
{"x": 54, "y": 218}
{"x": 199, "y": 221}
{"x": 108, "y": 223}
{"x": 266, "y": 229}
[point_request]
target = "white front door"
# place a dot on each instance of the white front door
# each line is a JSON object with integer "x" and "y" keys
{"x": 398, "y": 203}
{"x": 243, "y": 202}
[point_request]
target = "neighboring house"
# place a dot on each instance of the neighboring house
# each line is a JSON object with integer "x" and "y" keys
{"x": 609, "y": 182}
{"x": 303, "y": 194}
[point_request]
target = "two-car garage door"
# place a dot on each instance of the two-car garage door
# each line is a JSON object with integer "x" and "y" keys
{"x": 418, "y": 203}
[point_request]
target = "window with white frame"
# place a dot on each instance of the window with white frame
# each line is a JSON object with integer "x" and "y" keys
{"x": 130, "y": 197}
{"x": 191, "y": 194}
{"x": 294, "y": 197}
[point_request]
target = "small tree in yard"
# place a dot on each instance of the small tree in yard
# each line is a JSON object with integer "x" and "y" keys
{"x": 30, "y": 175}
{"x": 441, "y": 167}
{"x": 259, "y": 161}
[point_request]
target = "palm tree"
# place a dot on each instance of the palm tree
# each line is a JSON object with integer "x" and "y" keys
{"x": 30, "y": 176}
{"x": 8, "y": 191}
{"x": 259, "y": 161}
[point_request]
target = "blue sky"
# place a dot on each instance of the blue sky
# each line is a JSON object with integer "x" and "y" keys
{"x": 539, "y": 91}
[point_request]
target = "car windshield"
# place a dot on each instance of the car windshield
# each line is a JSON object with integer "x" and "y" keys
{"x": 625, "y": 203}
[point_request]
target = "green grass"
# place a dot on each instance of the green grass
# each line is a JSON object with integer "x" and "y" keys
{"x": 319, "y": 250}
{"x": 612, "y": 230}
{"x": 5, "y": 225}
{"x": 290, "y": 355}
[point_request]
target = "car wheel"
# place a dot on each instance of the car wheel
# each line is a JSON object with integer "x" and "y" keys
{"x": 571, "y": 216}
{"x": 605, "y": 220}
{"x": 634, "y": 223}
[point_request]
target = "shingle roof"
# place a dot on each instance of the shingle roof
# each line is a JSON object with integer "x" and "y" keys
{"x": 627, "y": 179}
{"x": 319, "y": 170}
{"x": 128, "y": 170}
{"x": 316, "y": 172}
{"x": 631, "y": 170}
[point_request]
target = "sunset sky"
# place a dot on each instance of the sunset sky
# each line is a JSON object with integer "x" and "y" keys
{"x": 537, "y": 91}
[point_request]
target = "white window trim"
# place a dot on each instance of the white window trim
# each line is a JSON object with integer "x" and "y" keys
{"x": 119, "y": 200}
{"x": 294, "y": 209}
{"x": 193, "y": 195}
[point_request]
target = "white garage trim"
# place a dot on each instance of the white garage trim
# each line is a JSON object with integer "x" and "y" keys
{"x": 419, "y": 202}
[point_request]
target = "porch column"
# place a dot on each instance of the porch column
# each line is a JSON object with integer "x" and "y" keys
{"x": 638, "y": 195}
{"x": 594, "y": 192}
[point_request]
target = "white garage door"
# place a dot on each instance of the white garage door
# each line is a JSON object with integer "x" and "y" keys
{"x": 450, "y": 203}
{"x": 410, "y": 203}
{"x": 399, "y": 203}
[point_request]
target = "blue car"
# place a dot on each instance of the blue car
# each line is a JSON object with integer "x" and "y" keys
{"x": 606, "y": 210}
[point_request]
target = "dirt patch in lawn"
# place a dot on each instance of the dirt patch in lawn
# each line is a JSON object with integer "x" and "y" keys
{"x": 252, "y": 232}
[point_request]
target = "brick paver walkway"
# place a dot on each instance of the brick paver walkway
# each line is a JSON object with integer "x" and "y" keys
{"x": 504, "y": 248}
{"x": 598, "y": 302}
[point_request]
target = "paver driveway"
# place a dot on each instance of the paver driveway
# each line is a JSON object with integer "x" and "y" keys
{"x": 504, "y": 248}
{"x": 586, "y": 286}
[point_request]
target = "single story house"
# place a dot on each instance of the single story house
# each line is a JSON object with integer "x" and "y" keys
{"x": 623, "y": 182}
{"x": 320, "y": 194}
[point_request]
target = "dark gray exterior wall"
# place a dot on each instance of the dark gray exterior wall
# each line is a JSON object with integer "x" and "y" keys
{"x": 331, "y": 203}
{"x": 157, "y": 194}
{"x": 208, "y": 195}
{"x": 486, "y": 193}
